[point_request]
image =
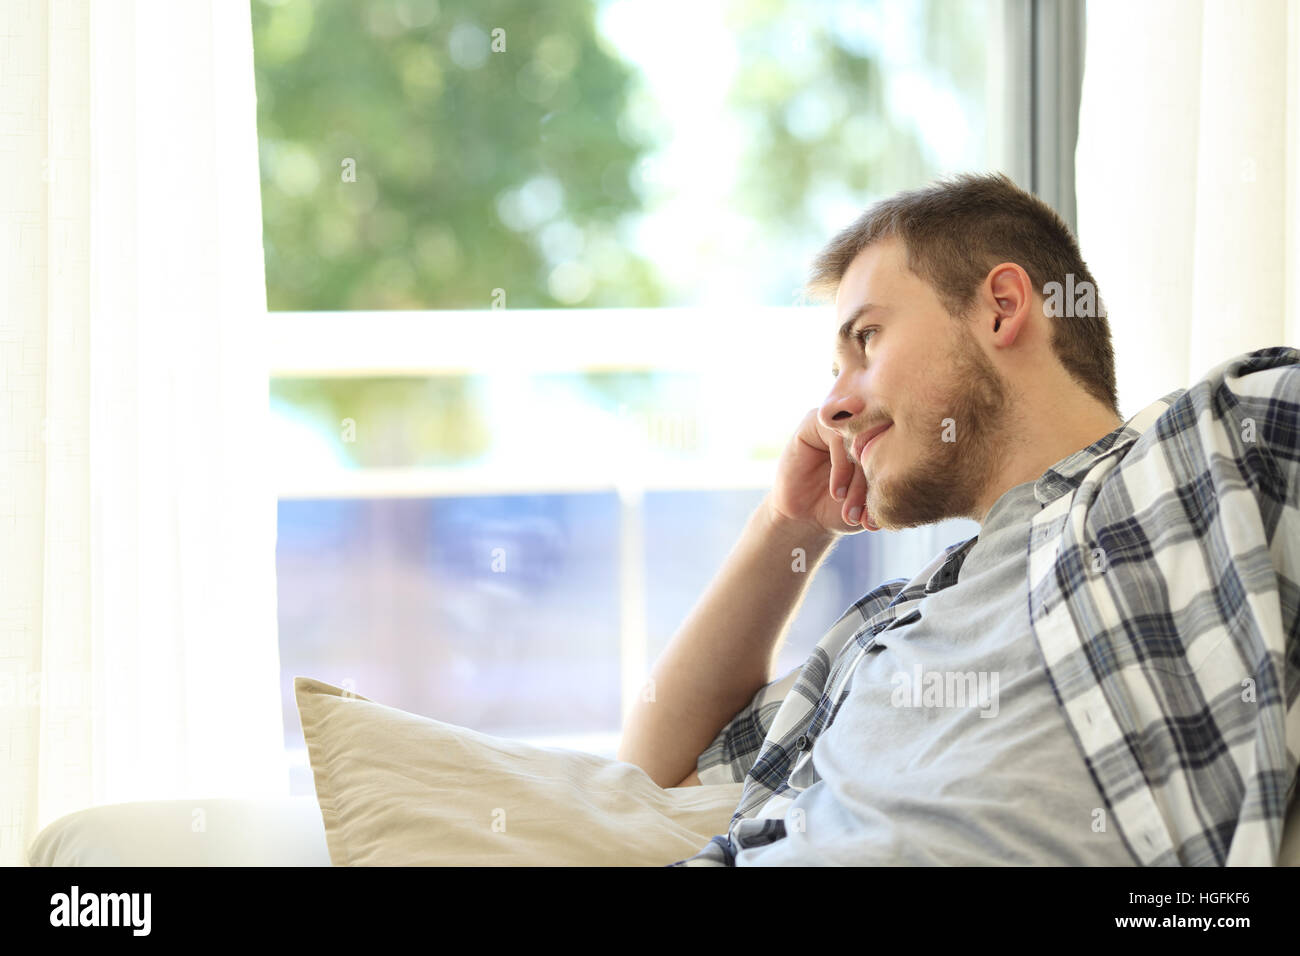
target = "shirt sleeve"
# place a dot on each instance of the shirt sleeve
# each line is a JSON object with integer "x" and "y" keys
{"x": 1261, "y": 394}
{"x": 1263, "y": 413}
{"x": 1262, "y": 397}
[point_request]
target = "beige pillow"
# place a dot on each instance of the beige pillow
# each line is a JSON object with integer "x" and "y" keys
{"x": 397, "y": 789}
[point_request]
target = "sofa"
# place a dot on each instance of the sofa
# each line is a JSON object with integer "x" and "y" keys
{"x": 271, "y": 832}
{"x": 393, "y": 788}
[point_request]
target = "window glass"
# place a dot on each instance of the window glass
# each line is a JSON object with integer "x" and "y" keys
{"x": 468, "y": 160}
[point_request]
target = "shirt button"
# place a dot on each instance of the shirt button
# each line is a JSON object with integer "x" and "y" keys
{"x": 802, "y": 742}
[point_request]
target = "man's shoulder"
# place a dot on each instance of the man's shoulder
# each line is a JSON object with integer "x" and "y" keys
{"x": 1245, "y": 409}
{"x": 1269, "y": 375}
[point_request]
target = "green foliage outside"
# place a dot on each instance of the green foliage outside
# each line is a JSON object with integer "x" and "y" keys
{"x": 438, "y": 146}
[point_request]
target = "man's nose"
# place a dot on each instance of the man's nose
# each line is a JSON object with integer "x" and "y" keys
{"x": 840, "y": 408}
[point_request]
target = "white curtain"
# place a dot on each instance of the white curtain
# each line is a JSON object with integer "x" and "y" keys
{"x": 138, "y": 642}
{"x": 1187, "y": 183}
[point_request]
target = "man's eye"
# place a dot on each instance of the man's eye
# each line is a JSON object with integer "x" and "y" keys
{"x": 861, "y": 335}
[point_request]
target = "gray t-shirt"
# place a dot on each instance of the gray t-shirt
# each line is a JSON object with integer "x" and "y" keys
{"x": 950, "y": 747}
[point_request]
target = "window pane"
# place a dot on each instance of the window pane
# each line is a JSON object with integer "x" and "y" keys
{"x": 496, "y": 613}
{"x": 688, "y": 536}
{"x": 577, "y": 154}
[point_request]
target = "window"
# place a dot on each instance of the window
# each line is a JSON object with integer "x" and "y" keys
{"x": 536, "y": 342}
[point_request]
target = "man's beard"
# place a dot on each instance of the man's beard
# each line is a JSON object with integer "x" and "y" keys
{"x": 949, "y": 477}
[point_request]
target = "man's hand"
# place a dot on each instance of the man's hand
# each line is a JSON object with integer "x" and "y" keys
{"x": 813, "y": 466}
{"x": 723, "y": 653}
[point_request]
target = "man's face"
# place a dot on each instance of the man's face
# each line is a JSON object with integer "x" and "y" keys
{"x": 925, "y": 375}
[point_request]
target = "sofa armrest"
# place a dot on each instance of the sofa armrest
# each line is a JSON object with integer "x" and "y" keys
{"x": 282, "y": 831}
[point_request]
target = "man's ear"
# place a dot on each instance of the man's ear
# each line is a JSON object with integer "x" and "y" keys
{"x": 1011, "y": 293}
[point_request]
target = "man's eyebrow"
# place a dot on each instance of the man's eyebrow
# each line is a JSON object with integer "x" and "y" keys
{"x": 858, "y": 313}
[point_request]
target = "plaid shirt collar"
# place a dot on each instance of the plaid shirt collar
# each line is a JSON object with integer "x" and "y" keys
{"x": 1061, "y": 479}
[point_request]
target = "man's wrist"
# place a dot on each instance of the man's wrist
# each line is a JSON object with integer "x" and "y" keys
{"x": 809, "y": 535}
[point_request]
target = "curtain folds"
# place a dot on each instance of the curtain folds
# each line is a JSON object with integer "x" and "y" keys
{"x": 138, "y": 641}
{"x": 1186, "y": 177}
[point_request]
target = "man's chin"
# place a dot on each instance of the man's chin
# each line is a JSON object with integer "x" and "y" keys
{"x": 887, "y": 517}
{"x": 881, "y": 514}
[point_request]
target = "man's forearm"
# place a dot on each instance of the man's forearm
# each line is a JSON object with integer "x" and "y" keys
{"x": 724, "y": 651}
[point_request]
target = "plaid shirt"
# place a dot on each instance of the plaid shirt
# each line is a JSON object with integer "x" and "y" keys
{"x": 1164, "y": 594}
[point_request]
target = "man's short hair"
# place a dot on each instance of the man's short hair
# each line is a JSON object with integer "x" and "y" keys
{"x": 955, "y": 231}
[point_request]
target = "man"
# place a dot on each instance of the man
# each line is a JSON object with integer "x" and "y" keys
{"x": 1106, "y": 674}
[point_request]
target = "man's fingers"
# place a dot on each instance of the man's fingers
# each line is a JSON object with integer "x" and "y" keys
{"x": 856, "y": 499}
{"x": 841, "y": 469}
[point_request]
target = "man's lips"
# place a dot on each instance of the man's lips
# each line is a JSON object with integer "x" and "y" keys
{"x": 860, "y": 440}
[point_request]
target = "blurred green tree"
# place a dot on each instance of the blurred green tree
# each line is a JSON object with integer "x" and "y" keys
{"x": 811, "y": 88}
{"x": 419, "y": 154}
